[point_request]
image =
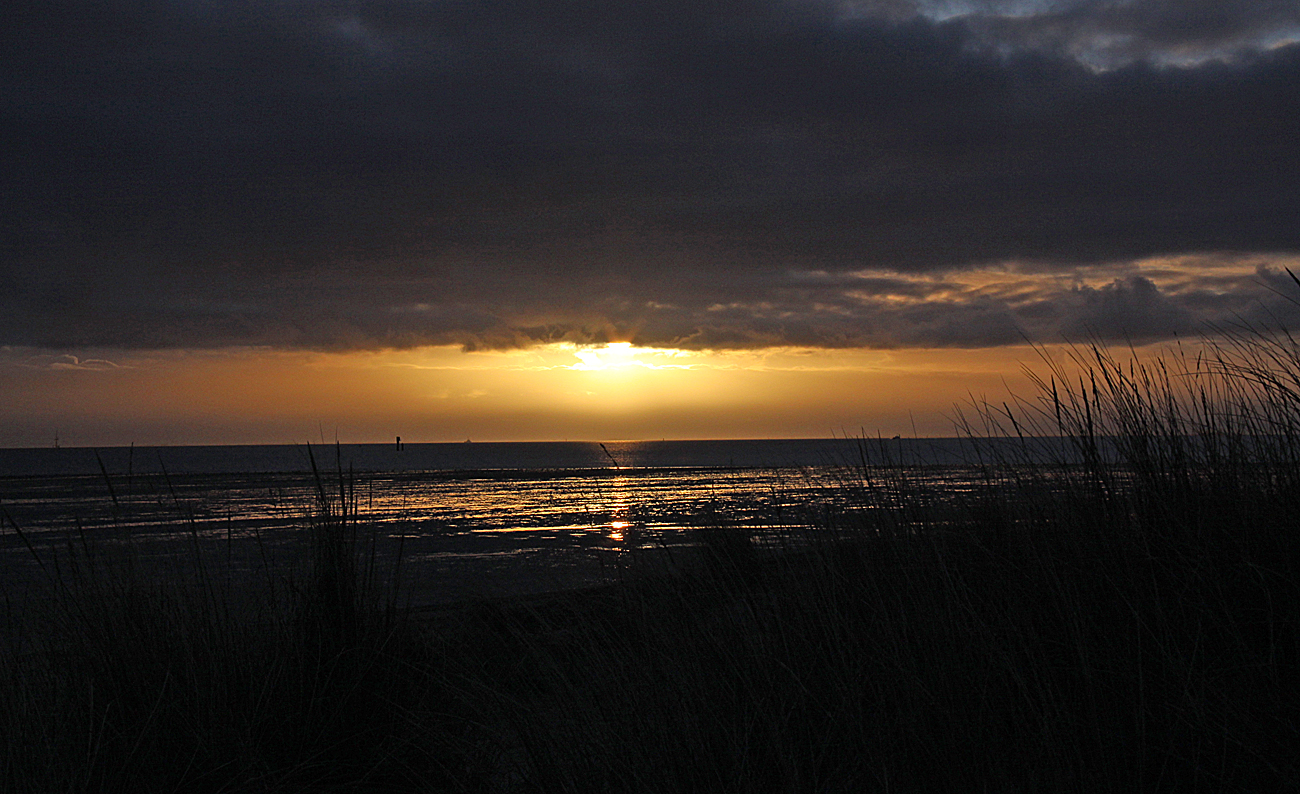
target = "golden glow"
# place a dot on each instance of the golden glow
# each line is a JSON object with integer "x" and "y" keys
{"x": 618, "y": 355}
{"x": 551, "y": 392}
{"x": 622, "y": 356}
{"x": 616, "y": 529}
{"x": 1017, "y": 282}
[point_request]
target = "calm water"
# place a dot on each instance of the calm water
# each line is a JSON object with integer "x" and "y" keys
{"x": 466, "y": 520}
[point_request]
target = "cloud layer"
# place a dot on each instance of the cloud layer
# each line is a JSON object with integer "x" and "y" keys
{"x": 704, "y": 174}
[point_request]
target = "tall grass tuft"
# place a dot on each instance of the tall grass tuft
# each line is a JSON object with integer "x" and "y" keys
{"x": 123, "y": 675}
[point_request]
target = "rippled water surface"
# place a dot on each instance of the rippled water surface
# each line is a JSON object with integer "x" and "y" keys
{"x": 456, "y": 529}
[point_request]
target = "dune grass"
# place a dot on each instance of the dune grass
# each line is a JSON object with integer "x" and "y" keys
{"x": 116, "y": 678}
{"x": 1119, "y": 618}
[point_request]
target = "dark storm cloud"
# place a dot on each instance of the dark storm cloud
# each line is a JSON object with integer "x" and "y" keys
{"x": 1133, "y": 308}
{"x": 1106, "y": 33}
{"x": 1109, "y": 33}
{"x": 361, "y": 174}
{"x": 855, "y": 311}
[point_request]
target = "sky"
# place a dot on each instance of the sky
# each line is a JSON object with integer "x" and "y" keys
{"x": 270, "y": 221}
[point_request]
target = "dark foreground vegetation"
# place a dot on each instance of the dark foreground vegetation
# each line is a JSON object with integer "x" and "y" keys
{"x": 1123, "y": 621}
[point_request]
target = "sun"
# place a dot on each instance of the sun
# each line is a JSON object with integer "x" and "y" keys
{"x": 626, "y": 357}
{"x": 613, "y": 356}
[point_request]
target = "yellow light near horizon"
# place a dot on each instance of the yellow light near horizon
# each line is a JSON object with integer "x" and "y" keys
{"x": 548, "y": 392}
{"x": 615, "y": 355}
{"x": 624, "y": 356}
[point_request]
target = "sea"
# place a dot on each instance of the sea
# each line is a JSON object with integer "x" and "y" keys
{"x": 452, "y": 522}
